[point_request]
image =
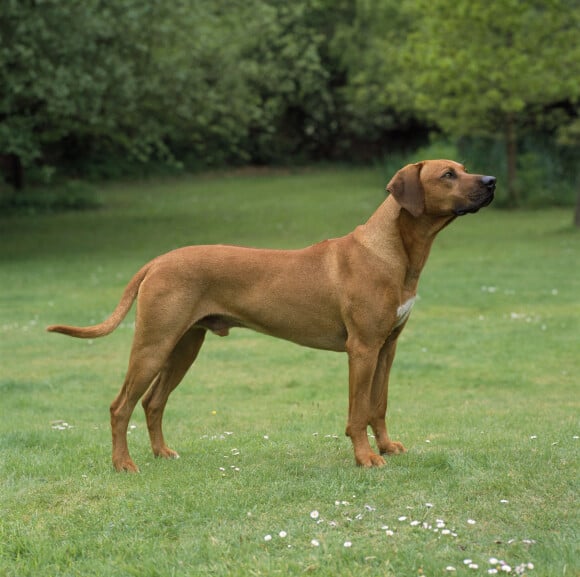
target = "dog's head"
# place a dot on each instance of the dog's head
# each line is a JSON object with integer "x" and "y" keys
{"x": 441, "y": 188}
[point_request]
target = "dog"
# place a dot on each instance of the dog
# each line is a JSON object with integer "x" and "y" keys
{"x": 351, "y": 294}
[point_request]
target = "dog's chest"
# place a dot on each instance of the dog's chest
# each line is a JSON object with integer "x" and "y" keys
{"x": 403, "y": 311}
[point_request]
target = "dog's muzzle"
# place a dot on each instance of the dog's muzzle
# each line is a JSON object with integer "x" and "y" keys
{"x": 481, "y": 198}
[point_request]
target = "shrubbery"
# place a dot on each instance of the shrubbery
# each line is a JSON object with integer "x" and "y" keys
{"x": 95, "y": 88}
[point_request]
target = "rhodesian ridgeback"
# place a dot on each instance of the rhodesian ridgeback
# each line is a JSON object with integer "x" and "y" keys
{"x": 352, "y": 294}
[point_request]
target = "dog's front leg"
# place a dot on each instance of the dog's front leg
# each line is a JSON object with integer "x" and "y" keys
{"x": 379, "y": 396}
{"x": 362, "y": 362}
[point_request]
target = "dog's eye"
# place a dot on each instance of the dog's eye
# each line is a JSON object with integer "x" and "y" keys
{"x": 449, "y": 174}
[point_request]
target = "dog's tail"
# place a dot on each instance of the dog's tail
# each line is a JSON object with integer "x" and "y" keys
{"x": 110, "y": 324}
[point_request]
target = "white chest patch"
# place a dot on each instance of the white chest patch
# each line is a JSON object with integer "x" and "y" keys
{"x": 404, "y": 311}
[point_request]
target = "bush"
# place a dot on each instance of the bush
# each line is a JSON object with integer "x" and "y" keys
{"x": 67, "y": 196}
{"x": 547, "y": 173}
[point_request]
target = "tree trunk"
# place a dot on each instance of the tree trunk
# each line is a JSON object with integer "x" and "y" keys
{"x": 11, "y": 166}
{"x": 512, "y": 155}
{"x": 577, "y": 211}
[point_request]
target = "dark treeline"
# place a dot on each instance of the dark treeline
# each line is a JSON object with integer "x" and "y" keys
{"x": 95, "y": 88}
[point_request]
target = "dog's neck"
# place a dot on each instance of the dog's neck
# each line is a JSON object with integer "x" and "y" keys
{"x": 391, "y": 227}
{"x": 417, "y": 235}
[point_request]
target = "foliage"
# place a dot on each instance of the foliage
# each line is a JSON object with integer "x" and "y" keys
{"x": 483, "y": 393}
{"x": 569, "y": 137}
{"x": 127, "y": 76}
{"x": 547, "y": 171}
{"x": 478, "y": 68}
{"x": 476, "y": 64}
{"x": 368, "y": 44}
{"x": 199, "y": 84}
{"x": 68, "y": 195}
{"x": 137, "y": 77}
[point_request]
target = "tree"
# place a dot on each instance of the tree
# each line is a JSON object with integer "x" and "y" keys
{"x": 367, "y": 44}
{"x": 569, "y": 135}
{"x": 121, "y": 76}
{"x": 475, "y": 67}
{"x": 209, "y": 83}
{"x": 64, "y": 73}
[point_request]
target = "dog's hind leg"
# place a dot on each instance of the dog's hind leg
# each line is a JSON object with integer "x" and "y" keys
{"x": 154, "y": 401}
{"x": 143, "y": 369}
{"x": 149, "y": 355}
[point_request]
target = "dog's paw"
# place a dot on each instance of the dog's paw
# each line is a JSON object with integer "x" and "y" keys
{"x": 369, "y": 460}
{"x": 126, "y": 466}
{"x": 393, "y": 448}
{"x": 167, "y": 453}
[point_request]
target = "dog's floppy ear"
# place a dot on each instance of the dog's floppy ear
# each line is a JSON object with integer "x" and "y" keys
{"x": 406, "y": 187}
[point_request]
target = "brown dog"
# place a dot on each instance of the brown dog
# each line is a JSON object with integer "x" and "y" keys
{"x": 352, "y": 294}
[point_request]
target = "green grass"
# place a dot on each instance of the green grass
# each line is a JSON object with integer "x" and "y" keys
{"x": 484, "y": 394}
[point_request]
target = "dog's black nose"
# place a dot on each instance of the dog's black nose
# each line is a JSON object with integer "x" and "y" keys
{"x": 489, "y": 181}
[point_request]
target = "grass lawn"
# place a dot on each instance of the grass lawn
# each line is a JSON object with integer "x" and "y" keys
{"x": 484, "y": 394}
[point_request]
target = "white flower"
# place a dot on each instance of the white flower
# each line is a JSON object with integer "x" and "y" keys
{"x": 347, "y": 544}
{"x": 283, "y": 534}
{"x": 471, "y": 522}
{"x": 315, "y": 543}
{"x": 473, "y": 566}
{"x": 267, "y": 537}
{"x": 493, "y": 561}
{"x": 467, "y": 561}
{"x": 429, "y": 505}
{"x": 389, "y": 533}
{"x": 492, "y": 571}
{"x": 415, "y": 523}
{"x": 314, "y": 514}
{"x": 506, "y": 568}
{"x": 450, "y": 568}
{"x": 402, "y": 518}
